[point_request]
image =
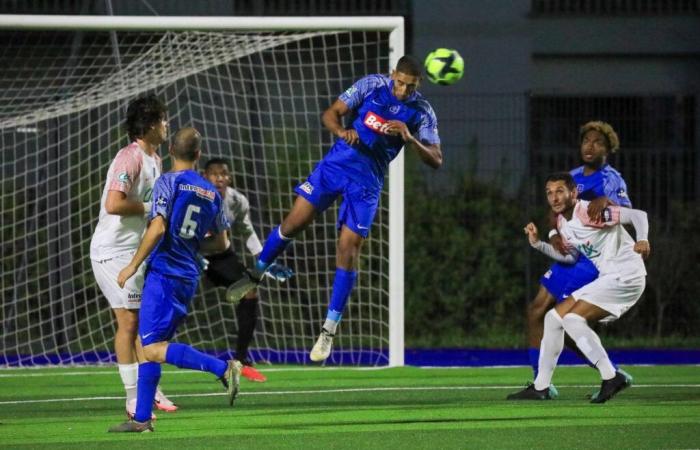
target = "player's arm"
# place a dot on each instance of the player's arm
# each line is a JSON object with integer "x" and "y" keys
{"x": 615, "y": 191}
{"x": 332, "y": 119}
{"x": 532, "y": 237}
{"x": 154, "y": 233}
{"x": 430, "y": 154}
{"x": 118, "y": 204}
{"x": 638, "y": 219}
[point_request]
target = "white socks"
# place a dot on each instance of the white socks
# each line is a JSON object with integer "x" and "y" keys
{"x": 589, "y": 343}
{"x": 330, "y": 326}
{"x": 130, "y": 375}
{"x": 550, "y": 349}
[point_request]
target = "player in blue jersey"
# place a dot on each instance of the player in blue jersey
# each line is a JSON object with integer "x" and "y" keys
{"x": 601, "y": 184}
{"x": 388, "y": 112}
{"x": 185, "y": 208}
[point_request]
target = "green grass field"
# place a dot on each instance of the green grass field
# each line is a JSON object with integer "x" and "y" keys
{"x": 355, "y": 408}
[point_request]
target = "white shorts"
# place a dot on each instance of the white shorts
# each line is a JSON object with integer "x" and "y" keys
{"x": 612, "y": 294}
{"x": 106, "y": 272}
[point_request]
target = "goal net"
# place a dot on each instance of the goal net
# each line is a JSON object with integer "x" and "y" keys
{"x": 257, "y": 98}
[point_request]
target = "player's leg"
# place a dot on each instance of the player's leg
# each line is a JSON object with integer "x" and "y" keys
{"x": 247, "y": 319}
{"x": 606, "y": 298}
{"x": 314, "y": 196}
{"x": 536, "y": 311}
{"x": 224, "y": 269}
{"x": 347, "y": 255}
{"x": 550, "y": 349}
{"x": 124, "y": 304}
{"x": 355, "y": 218}
{"x": 127, "y": 362}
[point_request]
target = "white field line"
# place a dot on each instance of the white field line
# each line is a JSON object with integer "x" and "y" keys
{"x": 16, "y": 372}
{"x": 339, "y": 391}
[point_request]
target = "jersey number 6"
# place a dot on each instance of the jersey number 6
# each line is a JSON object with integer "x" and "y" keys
{"x": 188, "y": 225}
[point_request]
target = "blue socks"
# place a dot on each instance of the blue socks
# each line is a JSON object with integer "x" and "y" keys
{"x": 186, "y": 357}
{"x": 274, "y": 246}
{"x": 343, "y": 284}
{"x": 534, "y": 356}
{"x": 149, "y": 376}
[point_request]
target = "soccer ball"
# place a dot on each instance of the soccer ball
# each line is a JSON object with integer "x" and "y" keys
{"x": 444, "y": 66}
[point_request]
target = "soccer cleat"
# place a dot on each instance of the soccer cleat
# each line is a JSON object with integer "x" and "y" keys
{"x": 131, "y": 410}
{"x": 232, "y": 379}
{"x": 608, "y": 388}
{"x": 164, "y": 403}
{"x": 629, "y": 378}
{"x": 553, "y": 392}
{"x": 252, "y": 374}
{"x": 237, "y": 290}
{"x": 530, "y": 393}
{"x": 322, "y": 348}
{"x": 132, "y": 426}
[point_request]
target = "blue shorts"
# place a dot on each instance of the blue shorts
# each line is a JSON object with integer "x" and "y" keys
{"x": 164, "y": 302}
{"x": 360, "y": 202}
{"x": 563, "y": 279}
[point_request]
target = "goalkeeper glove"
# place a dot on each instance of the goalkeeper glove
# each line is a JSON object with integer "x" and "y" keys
{"x": 279, "y": 272}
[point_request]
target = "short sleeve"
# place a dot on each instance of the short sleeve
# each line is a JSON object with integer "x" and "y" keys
{"x": 616, "y": 190}
{"x": 163, "y": 197}
{"x": 125, "y": 170}
{"x": 427, "y": 127}
{"x": 355, "y": 94}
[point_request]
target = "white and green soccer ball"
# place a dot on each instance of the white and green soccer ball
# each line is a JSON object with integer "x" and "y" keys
{"x": 444, "y": 66}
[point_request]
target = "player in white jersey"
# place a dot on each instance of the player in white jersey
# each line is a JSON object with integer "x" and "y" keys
{"x": 125, "y": 203}
{"x": 621, "y": 281}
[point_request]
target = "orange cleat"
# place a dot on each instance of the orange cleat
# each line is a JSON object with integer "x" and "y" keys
{"x": 252, "y": 374}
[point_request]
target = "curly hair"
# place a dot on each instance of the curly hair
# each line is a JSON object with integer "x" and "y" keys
{"x": 605, "y": 129}
{"x": 142, "y": 114}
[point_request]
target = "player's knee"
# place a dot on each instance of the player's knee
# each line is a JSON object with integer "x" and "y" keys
{"x": 542, "y": 301}
{"x": 128, "y": 326}
{"x": 153, "y": 353}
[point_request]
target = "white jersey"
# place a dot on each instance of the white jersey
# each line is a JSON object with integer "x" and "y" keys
{"x": 132, "y": 172}
{"x": 607, "y": 244}
{"x": 237, "y": 211}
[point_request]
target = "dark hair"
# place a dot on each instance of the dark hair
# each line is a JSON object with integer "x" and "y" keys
{"x": 142, "y": 114}
{"x": 410, "y": 66}
{"x": 186, "y": 143}
{"x": 562, "y": 176}
{"x": 214, "y": 161}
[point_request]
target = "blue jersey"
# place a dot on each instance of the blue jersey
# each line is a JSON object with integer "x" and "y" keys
{"x": 373, "y": 104}
{"x": 606, "y": 182}
{"x": 191, "y": 207}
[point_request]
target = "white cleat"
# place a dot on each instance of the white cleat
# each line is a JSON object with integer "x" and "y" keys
{"x": 322, "y": 348}
{"x": 164, "y": 403}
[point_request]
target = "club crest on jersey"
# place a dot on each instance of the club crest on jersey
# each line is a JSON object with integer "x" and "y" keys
{"x": 123, "y": 177}
{"x": 579, "y": 188}
{"x": 394, "y": 109}
{"x": 376, "y": 123}
{"x": 307, "y": 187}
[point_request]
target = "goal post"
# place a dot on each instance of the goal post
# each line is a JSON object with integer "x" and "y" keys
{"x": 255, "y": 87}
